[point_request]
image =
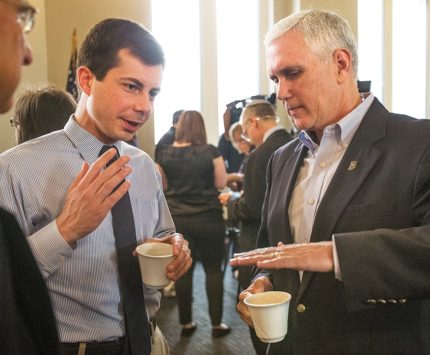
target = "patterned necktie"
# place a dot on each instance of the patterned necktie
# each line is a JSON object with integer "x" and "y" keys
{"x": 136, "y": 319}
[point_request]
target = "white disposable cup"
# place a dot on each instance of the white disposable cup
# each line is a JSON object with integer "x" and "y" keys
{"x": 269, "y": 313}
{"x": 153, "y": 261}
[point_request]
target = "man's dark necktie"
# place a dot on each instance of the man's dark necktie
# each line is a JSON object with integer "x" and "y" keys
{"x": 136, "y": 320}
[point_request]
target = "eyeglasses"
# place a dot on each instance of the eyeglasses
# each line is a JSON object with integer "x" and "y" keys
{"x": 13, "y": 123}
{"x": 25, "y": 15}
{"x": 245, "y": 126}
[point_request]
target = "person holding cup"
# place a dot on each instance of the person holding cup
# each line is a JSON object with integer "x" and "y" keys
{"x": 345, "y": 223}
{"x": 67, "y": 203}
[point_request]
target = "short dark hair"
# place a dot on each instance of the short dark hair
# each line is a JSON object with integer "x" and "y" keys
{"x": 191, "y": 128}
{"x": 41, "y": 111}
{"x": 176, "y": 116}
{"x": 99, "y": 50}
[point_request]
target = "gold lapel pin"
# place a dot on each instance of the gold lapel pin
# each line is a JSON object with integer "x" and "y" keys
{"x": 352, "y": 165}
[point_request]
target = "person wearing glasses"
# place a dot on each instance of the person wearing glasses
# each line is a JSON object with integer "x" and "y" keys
{"x": 28, "y": 323}
{"x": 346, "y": 219}
{"x": 41, "y": 111}
{"x": 17, "y": 19}
{"x": 261, "y": 128}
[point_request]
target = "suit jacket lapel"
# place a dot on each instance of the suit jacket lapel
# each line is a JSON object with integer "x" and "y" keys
{"x": 357, "y": 163}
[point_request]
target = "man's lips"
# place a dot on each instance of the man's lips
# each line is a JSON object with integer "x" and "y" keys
{"x": 293, "y": 109}
{"x": 132, "y": 125}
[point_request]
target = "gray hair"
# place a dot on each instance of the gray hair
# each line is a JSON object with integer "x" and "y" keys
{"x": 323, "y": 31}
{"x": 260, "y": 108}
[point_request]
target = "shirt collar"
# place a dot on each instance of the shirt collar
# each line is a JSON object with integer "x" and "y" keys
{"x": 87, "y": 144}
{"x": 344, "y": 129}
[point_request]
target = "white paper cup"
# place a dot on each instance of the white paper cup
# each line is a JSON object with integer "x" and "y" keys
{"x": 269, "y": 313}
{"x": 153, "y": 261}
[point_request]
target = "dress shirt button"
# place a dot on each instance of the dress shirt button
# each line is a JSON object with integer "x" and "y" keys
{"x": 311, "y": 201}
{"x": 322, "y": 165}
{"x": 381, "y": 300}
{"x": 392, "y": 301}
{"x": 371, "y": 301}
{"x": 402, "y": 300}
{"x": 301, "y": 308}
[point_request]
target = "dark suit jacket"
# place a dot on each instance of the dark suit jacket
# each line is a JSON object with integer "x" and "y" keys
{"x": 247, "y": 208}
{"x": 27, "y": 321}
{"x": 167, "y": 139}
{"x": 379, "y": 213}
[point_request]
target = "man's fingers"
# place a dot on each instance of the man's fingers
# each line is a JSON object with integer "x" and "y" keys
{"x": 105, "y": 189}
{"x": 84, "y": 169}
{"x": 244, "y": 314}
{"x": 99, "y": 173}
{"x": 114, "y": 197}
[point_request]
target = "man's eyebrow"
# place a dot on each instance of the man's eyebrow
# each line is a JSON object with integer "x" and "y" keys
{"x": 136, "y": 82}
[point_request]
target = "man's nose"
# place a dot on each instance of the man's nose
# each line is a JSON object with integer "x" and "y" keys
{"x": 283, "y": 90}
{"x": 28, "y": 52}
{"x": 143, "y": 105}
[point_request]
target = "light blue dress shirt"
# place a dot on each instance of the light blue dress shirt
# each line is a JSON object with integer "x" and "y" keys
{"x": 319, "y": 166}
{"x": 83, "y": 282}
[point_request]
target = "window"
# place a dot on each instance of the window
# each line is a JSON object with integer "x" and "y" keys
{"x": 409, "y": 57}
{"x": 180, "y": 38}
{"x": 238, "y": 52}
{"x": 392, "y": 40}
{"x": 371, "y": 44}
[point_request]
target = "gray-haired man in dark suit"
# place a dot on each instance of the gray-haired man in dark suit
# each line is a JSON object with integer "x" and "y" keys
{"x": 350, "y": 195}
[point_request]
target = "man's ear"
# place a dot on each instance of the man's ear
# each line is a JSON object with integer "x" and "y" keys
{"x": 85, "y": 78}
{"x": 343, "y": 60}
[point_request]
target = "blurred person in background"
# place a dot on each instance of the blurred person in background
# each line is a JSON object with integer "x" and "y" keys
{"x": 260, "y": 126}
{"x": 169, "y": 137}
{"x": 193, "y": 171}
{"x": 243, "y": 146}
{"x": 41, "y": 111}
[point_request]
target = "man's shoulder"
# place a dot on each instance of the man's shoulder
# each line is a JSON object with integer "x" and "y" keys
{"x": 35, "y": 147}
{"x": 276, "y": 140}
{"x": 138, "y": 157}
{"x": 404, "y": 122}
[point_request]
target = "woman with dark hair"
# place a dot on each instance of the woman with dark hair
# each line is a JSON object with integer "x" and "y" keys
{"x": 41, "y": 111}
{"x": 192, "y": 172}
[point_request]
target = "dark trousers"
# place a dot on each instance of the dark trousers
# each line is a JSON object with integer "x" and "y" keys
{"x": 205, "y": 235}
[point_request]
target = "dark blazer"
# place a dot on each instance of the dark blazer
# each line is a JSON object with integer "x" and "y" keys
{"x": 27, "y": 321}
{"x": 247, "y": 208}
{"x": 378, "y": 209}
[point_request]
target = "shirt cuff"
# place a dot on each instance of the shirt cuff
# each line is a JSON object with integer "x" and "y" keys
{"x": 337, "y": 273}
{"x": 49, "y": 248}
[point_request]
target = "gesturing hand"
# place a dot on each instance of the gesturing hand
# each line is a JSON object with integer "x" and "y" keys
{"x": 90, "y": 197}
{"x": 316, "y": 257}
